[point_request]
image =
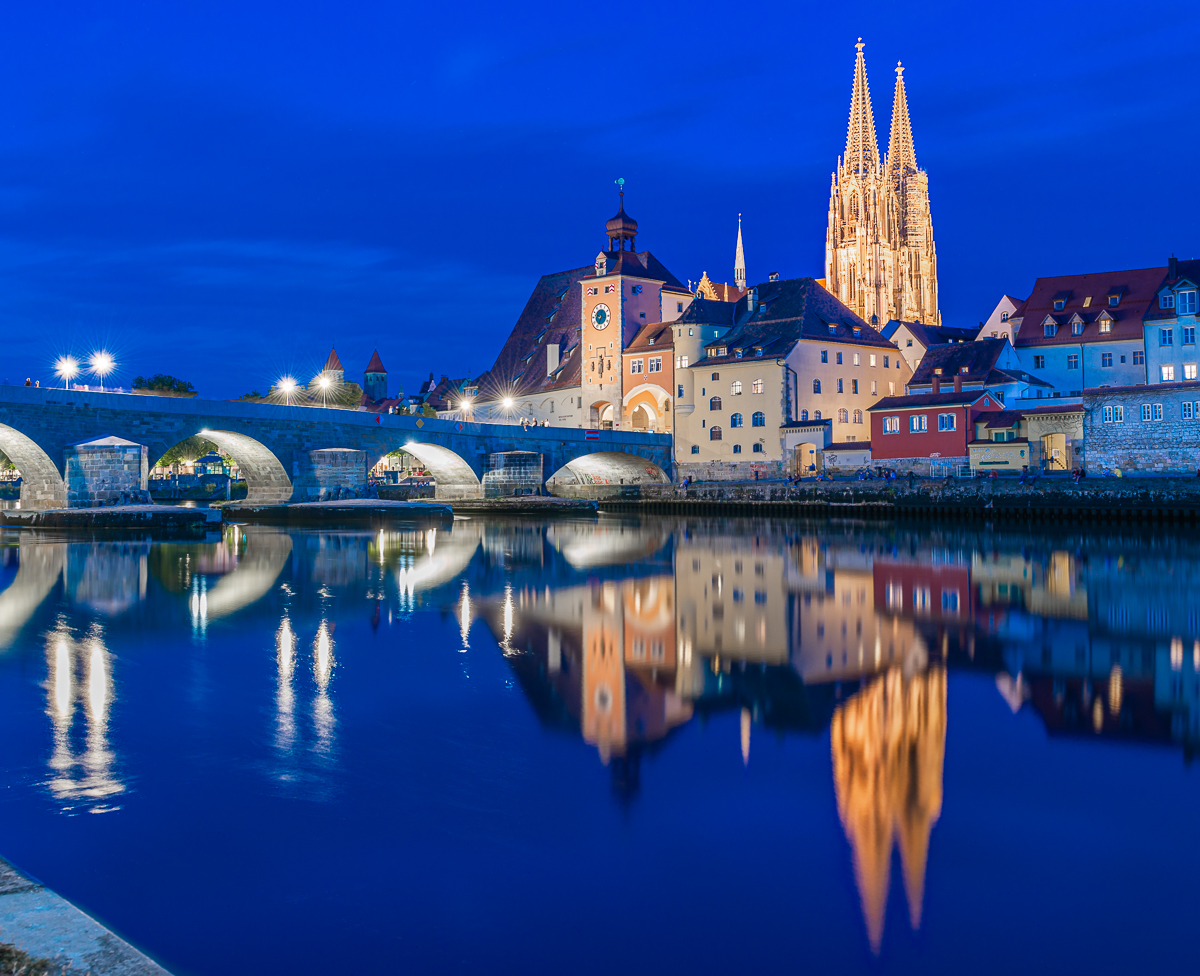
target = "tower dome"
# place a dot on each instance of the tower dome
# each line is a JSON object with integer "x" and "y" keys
{"x": 622, "y": 227}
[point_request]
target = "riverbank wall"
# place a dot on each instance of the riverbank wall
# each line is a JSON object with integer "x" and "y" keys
{"x": 1107, "y": 499}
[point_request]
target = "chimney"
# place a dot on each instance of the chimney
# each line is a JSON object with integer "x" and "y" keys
{"x": 958, "y": 382}
{"x": 937, "y": 384}
{"x": 1173, "y": 268}
{"x": 553, "y": 352}
{"x": 751, "y": 300}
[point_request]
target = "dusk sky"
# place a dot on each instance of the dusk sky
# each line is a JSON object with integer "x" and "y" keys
{"x": 223, "y": 190}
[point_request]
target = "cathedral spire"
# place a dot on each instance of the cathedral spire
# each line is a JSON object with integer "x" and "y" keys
{"x": 862, "y": 148}
{"x": 902, "y": 157}
{"x": 739, "y": 260}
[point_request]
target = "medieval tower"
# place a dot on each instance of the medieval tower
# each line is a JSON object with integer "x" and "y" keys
{"x": 879, "y": 253}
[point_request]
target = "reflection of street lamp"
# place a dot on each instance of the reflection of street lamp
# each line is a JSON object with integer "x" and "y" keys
{"x": 101, "y": 364}
{"x": 287, "y": 386}
{"x": 66, "y": 368}
{"x": 323, "y": 382}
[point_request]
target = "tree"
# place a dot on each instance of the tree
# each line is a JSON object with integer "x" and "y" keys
{"x": 427, "y": 410}
{"x": 187, "y": 450}
{"x": 164, "y": 383}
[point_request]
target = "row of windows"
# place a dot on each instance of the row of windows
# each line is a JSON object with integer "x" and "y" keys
{"x": 844, "y": 416}
{"x": 841, "y": 387}
{"x": 1188, "y": 410}
{"x": 655, "y": 365}
{"x": 757, "y": 419}
{"x": 918, "y": 423}
{"x": 1167, "y": 373}
{"x": 857, "y": 359}
{"x": 1187, "y": 302}
{"x": 1187, "y": 336}
{"x": 1106, "y": 359}
{"x": 714, "y": 434}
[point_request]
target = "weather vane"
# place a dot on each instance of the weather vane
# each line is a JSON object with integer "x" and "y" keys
{"x": 621, "y": 184}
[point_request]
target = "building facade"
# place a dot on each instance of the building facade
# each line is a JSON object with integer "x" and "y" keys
{"x": 1170, "y": 326}
{"x": 1153, "y": 428}
{"x": 913, "y": 339}
{"x": 787, "y": 352}
{"x": 927, "y": 425}
{"x": 880, "y": 258}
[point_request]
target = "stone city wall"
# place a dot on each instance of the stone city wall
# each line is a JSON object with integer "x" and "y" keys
{"x": 730, "y": 470}
{"x": 1167, "y": 442}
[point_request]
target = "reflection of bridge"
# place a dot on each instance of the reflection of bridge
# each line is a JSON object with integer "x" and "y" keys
{"x": 273, "y": 444}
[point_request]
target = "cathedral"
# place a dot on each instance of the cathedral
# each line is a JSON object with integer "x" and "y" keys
{"x": 879, "y": 253}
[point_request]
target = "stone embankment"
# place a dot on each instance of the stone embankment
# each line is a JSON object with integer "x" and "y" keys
{"x": 1127, "y": 499}
{"x": 161, "y": 521}
{"x": 348, "y": 513}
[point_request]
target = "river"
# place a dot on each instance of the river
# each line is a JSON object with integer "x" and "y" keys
{"x": 631, "y": 745}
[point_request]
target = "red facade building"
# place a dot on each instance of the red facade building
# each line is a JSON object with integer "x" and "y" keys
{"x": 927, "y": 425}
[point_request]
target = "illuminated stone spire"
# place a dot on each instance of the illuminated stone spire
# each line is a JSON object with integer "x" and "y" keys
{"x": 901, "y": 157}
{"x": 739, "y": 260}
{"x": 862, "y": 148}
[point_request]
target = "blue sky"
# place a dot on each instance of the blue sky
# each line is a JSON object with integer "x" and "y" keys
{"x": 222, "y": 190}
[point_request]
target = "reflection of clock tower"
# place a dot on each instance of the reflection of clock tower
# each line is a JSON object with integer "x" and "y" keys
{"x": 628, "y": 291}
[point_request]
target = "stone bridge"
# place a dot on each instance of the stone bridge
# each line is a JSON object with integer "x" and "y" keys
{"x": 279, "y": 448}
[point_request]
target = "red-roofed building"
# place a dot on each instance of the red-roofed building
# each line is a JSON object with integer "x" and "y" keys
{"x": 1080, "y": 331}
{"x": 927, "y": 425}
{"x": 375, "y": 379}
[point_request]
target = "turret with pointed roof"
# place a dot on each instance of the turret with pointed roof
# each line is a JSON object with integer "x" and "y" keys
{"x": 333, "y": 368}
{"x": 739, "y": 260}
{"x": 375, "y": 378}
{"x": 879, "y": 251}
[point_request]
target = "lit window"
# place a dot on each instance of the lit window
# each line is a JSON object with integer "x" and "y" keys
{"x": 735, "y": 388}
{"x": 858, "y": 416}
{"x": 1189, "y": 371}
{"x": 656, "y": 364}
{"x": 872, "y": 359}
{"x": 1077, "y": 328}
{"x": 918, "y": 423}
{"x": 891, "y": 389}
{"x": 635, "y": 365}
{"x": 856, "y": 362}
{"x": 920, "y": 599}
{"x": 1168, "y": 374}
{"x": 757, "y": 386}
{"x": 1106, "y": 325}
{"x": 891, "y": 425}
{"x": 843, "y": 416}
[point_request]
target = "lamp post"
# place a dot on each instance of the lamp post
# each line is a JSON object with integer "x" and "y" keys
{"x": 66, "y": 368}
{"x": 101, "y": 364}
{"x": 287, "y": 386}
{"x": 324, "y": 384}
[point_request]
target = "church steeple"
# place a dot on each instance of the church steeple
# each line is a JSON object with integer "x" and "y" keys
{"x": 739, "y": 260}
{"x": 902, "y": 157}
{"x": 862, "y": 147}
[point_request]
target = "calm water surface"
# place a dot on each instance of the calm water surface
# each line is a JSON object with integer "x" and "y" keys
{"x": 657, "y": 746}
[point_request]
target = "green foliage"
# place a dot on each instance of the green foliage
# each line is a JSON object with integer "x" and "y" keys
{"x": 427, "y": 410}
{"x": 5, "y": 462}
{"x": 252, "y": 395}
{"x": 164, "y": 383}
{"x": 15, "y": 962}
{"x": 187, "y": 450}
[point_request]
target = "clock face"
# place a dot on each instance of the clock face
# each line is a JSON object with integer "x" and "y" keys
{"x": 600, "y": 316}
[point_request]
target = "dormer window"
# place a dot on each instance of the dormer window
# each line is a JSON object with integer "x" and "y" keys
{"x": 965, "y": 370}
{"x": 722, "y": 351}
{"x": 832, "y": 329}
{"x": 1048, "y": 330}
{"x": 1059, "y": 305}
{"x": 937, "y": 371}
{"x": 1187, "y": 303}
{"x": 1166, "y": 300}
{"x": 1113, "y": 301}
{"x": 858, "y": 330}
{"x": 737, "y": 354}
{"x": 1087, "y": 302}
{"x": 650, "y": 342}
{"x": 758, "y": 350}
{"x": 1106, "y": 322}
{"x": 1077, "y": 327}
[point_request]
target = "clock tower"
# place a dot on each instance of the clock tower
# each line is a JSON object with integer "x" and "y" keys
{"x": 627, "y": 291}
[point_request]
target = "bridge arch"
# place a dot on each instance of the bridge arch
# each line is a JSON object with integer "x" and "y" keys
{"x": 610, "y": 468}
{"x": 42, "y": 484}
{"x": 267, "y": 483}
{"x": 453, "y": 476}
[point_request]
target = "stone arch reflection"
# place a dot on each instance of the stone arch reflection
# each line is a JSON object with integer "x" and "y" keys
{"x": 889, "y": 744}
{"x": 79, "y": 680}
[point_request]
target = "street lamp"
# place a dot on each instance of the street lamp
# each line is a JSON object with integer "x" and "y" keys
{"x": 507, "y": 403}
{"x": 287, "y": 386}
{"x": 66, "y": 368}
{"x": 101, "y": 364}
{"x": 323, "y": 382}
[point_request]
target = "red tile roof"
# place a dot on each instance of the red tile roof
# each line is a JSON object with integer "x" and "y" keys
{"x": 1138, "y": 293}
{"x": 333, "y": 362}
{"x": 376, "y": 364}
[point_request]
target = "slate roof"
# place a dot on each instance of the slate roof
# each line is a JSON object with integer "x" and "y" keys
{"x": 639, "y": 264}
{"x": 932, "y": 335}
{"x": 1184, "y": 270}
{"x": 1147, "y": 389}
{"x": 915, "y": 400}
{"x": 1138, "y": 292}
{"x": 655, "y": 335}
{"x": 787, "y": 312}
{"x": 980, "y": 358}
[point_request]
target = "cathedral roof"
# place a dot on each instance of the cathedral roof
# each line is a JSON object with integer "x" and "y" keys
{"x": 786, "y": 312}
{"x": 376, "y": 364}
{"x": 1087, "y": 295}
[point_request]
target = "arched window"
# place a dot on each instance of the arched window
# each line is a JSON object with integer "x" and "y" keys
{"x": 735, "y": 420}
{"x": 759, "y": 419}
{"x": 735, "y": 388}
{"x": 758, "y": 386}
{"x": 816, "y": 415}
{"x": 816, "y": 386}
{"x": 843, "y": 416}
{"x": 714, "y": 403}
{"x": 803, "y": 416}
{"x": 858, "y": 416}
{"x": 714, "y": 433}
